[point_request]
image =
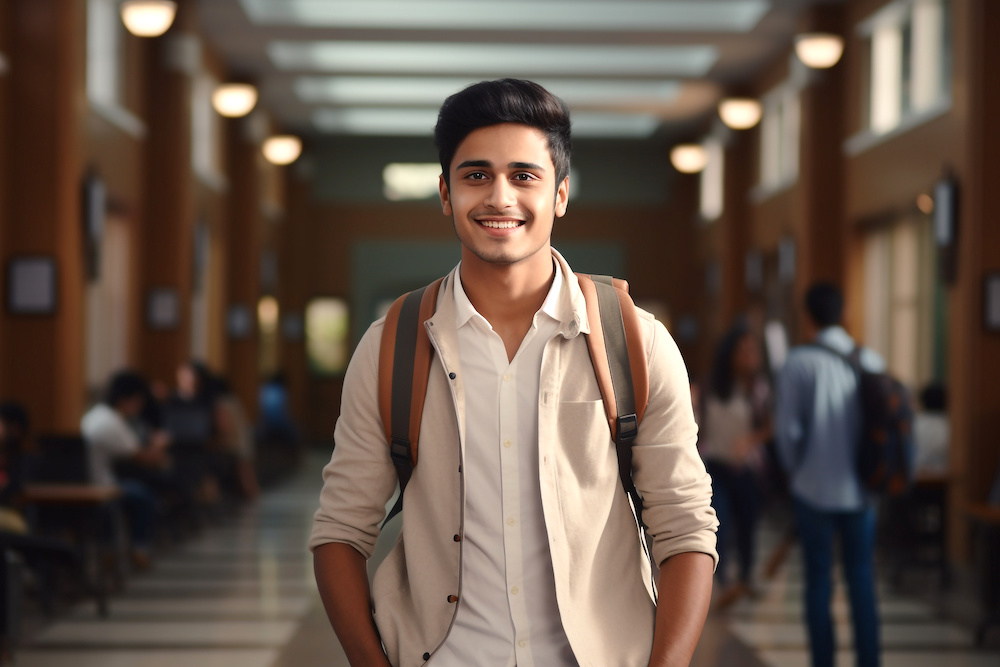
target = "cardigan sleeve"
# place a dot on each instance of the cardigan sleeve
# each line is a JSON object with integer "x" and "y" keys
{"x": 359, "y": 479}
{"x": 666, "y": 467}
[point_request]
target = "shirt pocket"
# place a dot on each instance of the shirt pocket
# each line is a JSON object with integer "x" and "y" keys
{"x": 585, "y": 442}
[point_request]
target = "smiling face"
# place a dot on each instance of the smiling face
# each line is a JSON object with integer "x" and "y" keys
{"x": 504, "y": 196}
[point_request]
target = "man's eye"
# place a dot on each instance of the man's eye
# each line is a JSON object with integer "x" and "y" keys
{"x": 476, "y": 176}
{"x": 524, "y": 177}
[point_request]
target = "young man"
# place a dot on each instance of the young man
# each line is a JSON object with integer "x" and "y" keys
{"x": 111, "y": 438}
{"x": 817, "y": 429}
{"x": 518, "y": 544}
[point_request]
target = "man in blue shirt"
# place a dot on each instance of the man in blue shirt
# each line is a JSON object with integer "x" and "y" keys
{"x": 817, "y": 431}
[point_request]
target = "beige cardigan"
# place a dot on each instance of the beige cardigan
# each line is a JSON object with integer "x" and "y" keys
{"x": 602, "y": 577}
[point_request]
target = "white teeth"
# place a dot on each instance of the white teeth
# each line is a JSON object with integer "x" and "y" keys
{"x": 496, "y": 224}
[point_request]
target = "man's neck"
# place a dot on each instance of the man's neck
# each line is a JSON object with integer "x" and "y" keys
{"x": 508, "y": 293}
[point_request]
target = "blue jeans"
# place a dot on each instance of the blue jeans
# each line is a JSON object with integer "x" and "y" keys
{"x": 816, "y": 529}
{"x": 736, "y": 499}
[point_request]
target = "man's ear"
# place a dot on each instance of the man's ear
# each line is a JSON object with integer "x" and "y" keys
{"x": 445, "y": 197}
{"x": 562, "y": 197}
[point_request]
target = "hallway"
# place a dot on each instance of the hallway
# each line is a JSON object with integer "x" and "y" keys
{"x": 243, "y": 595}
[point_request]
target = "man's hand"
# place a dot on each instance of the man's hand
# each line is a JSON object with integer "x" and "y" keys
{"x": 685, "y": 590}
{"x": 343, "y": 586}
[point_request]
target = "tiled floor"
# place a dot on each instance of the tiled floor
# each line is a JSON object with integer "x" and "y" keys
{"x": 243, "y": 596}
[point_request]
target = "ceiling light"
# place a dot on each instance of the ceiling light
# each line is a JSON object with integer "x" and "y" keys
{"x": 689, "y": 158}
{"x": 431, "y": 91}
{"x": 740, "y": 113}
{"x": 282, "y": 149}
{"x": 408, "y": 180}
{"x": 404, "y": 121}
{"x": 549, "y": 15}
{"x": 819, "y": 50}
{"x": 233, "y": 100}
{"x": 148, "y": 18}
{"x": 477, "y": 59}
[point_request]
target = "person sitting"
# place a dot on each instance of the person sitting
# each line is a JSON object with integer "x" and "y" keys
{"x": 931, "y": 432}
{"x": 13, "y": 430}
{"x": 110, "y": 438}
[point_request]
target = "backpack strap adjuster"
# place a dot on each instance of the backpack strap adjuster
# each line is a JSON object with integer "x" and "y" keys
{"x": 628, "y": 427}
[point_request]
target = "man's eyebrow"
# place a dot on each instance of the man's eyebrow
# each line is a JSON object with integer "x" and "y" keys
{"x": 475, "y": 163}
{"x": 511, "y": 165}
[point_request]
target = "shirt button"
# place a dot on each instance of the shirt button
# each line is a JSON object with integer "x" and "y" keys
{"x": 452, "y": 598}
{"x": 427, "y": 656}
{"x": 507, "y": 443}
{"x": 457, "y": 538}
{"x": 522, "y": 643}
{"x": 506, "y": 378}
{"x": 452, "y": 376}
{"x": 515, "y": 590}
{"x": 510, "y": 521}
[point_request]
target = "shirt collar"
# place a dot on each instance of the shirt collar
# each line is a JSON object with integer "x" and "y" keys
{"x": 835, "y": 336}
{"x": 557, "y": 305}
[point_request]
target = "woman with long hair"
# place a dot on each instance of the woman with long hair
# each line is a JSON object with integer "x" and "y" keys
{"x": 735, "y": 426}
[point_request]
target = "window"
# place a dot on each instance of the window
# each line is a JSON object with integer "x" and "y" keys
{"x": 326, "y": 336}
{"x": 712, "y": 181}
{"x": 779, "y": 138}
{"x": 909, "y": 62}
{"x": 206, "y": 126}
{"x": 108, "y": 305}
{"x": 900, "y": 283}
{"x": 200, "y": 324}
{"x": 104, "y": 53}
{"x": 269, "y": 348}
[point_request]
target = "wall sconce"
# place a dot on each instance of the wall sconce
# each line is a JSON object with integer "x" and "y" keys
{"x": 689, "y": 158}
{"x": 282, "y": 149}
{"x": 148, "y": 18}
{"x": 819, "y": 50}
{"x": 233, "y": 100}
{"x": 740, "y": 113}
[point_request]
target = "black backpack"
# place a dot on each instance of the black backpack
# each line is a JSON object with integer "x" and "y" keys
{"x": 885, "y": 453}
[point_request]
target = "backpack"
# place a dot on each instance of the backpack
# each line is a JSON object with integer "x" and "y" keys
{"x": 886, "y": 449}
{"x": 616, "y": 350}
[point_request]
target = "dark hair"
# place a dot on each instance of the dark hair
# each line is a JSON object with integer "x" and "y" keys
{"x": 14, "y": 414}
{"x": 504, "y": 101}
{"x": 125, "y": 385}
{"x": 825, "y": 304}
{"x": 722, "y": 379}
{"x": 934, "y": 397}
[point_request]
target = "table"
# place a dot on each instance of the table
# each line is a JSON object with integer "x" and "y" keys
{"x": 91, "y": 500}
{"x": 987, "y": 517}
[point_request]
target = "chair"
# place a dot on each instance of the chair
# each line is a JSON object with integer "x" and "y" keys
{"x": 61, "y": 459}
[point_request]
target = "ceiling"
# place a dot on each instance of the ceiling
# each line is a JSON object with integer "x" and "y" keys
{"x": 627, "y": 68}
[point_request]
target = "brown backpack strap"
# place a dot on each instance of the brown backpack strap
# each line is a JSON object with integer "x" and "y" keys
{"x": 618, "y": 354}
{"x": 404, "y": 366}
{"x": 623, "y": 376}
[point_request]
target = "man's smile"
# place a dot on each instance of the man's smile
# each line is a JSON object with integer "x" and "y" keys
{"x": 504, "y": 223}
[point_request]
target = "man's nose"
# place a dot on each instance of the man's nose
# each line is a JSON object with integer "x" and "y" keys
{"x": 500, "y": 195}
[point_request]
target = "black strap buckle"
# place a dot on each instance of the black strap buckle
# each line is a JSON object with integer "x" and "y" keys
{"x": 628, "y": 427}
{"x": 400, "y": 450}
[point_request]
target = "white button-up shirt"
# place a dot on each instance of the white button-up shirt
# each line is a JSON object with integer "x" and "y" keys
{"x": 507, "y": 614}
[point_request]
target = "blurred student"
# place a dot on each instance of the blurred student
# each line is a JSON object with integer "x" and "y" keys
{"x": 932, "y": 431}
{"x": 189, "y": 416}
{"x": 276, "y": 424}
{"x": 818, "y": 430}
{"x": 13, "y": 435}
{"x": 735, "y": 426}
{"x": 111, "y": 437}
{"x": 236, "y": 438}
